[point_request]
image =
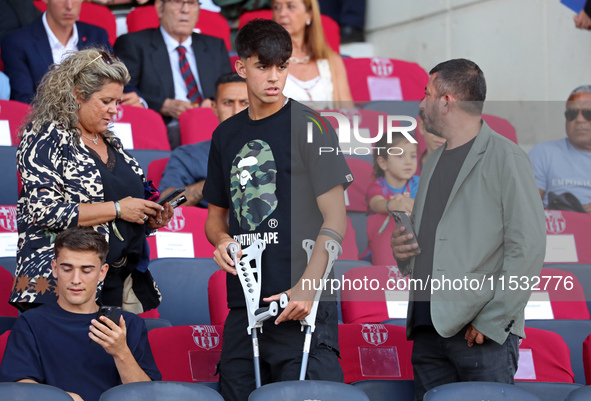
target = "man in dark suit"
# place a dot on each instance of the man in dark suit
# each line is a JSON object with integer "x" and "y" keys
{"x": 28, "y": 52}
{"x": 154, "y": 60}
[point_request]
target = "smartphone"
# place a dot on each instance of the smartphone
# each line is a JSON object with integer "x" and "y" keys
{"x": 179, "y": 201}
{"x": 112, "y": 312}
{"x": 175, "y": 192}
{"x": 402, "y": 219}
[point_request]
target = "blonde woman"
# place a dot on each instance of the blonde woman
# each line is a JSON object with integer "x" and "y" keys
{"x": 316, "y": 72}
{"x": 75, "y": 172}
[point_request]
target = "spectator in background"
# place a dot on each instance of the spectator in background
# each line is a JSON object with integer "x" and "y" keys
{"x": 174, "y": 68}
{"x": 583, "y": 19}
{"x": 28, "y": 52}
{"x": 565, "y": 165}
{"x": 431, "y": 140}
{"x": 4, "y": 87}
{"x": 349, "y": 14}
{"x": 395, "y": 165}
{"x": 316, "y": 72}
{"x": 53, "y": 344}
{"x": 477, "y": 215}
{"x": 15, "y": 14}
{"x": 75, "y": 172}
{"x": 187, "y": 166}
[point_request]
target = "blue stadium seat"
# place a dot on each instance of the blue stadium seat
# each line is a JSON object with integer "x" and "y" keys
{"x": 478, "y": 391}
{"x": 161, "y": 391}
{"x": 183, "y": 284}
{"x": 383, "y": 390}
{"x": 583, "y": 273}
{"x": 307, "y": 390}
{"x": 548, "y": 391}
{"x": 9, "y": 263}
{"x": 31, "y": 391}
{"x": 580, "y": 394}
{"x": 574, "y": 332}
{"x": 145, "y": 156}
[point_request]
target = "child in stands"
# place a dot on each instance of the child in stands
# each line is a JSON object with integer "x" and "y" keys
{"x": 395, "y": 165}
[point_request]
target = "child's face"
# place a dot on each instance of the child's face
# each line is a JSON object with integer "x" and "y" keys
{"x": 265, "y": 83}
{"x": 401, "y": 167}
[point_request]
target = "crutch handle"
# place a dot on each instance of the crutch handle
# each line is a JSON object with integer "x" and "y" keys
{"x": 233, "y": 248}
{"x": 283, "y": 300}
{"x": 266, "y": 312}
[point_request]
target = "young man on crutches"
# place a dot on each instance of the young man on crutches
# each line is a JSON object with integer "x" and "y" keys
{"x": 268, "y": 180}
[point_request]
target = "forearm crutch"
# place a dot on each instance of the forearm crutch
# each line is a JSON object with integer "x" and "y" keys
{"x": 251, "y": 286}
{"x": 309, "y": 322}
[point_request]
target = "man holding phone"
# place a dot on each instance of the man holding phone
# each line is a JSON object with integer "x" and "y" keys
{"x": 479, "y": 219}
{"x": 51, "y": 344}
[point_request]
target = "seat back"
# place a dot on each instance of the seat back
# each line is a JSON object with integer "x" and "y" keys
{"x": 375, "y": 301}
{"x": 12, "y": 116}
{"x": 145, "y": 156}
{"x": 548, "y": 391}
{"x": 156, "y": 169}
{"x": 349, "y": 245}
{"x": 574, "y": 333}
{"x": 501, "y": 126}
{"x": 545, "y": 357}
{"x": 209, "y": 23}
{"x": 385, "y": 79}
{"x": 581, "y": 271}
{"x": 362, "y": 171}
{"x": 31, "y": 391}
{"x": 197, "y": 125}
{"x": 94, "y": 14}
{"x": 568, "y": 237}
{"x": 375, "y": 351}
{"x": 140, "y": 128}
{"x": 6, "y": 283}
{"x": 187, "y": 353}
{"x": 184, "y": 236}
{"x": 183, "y": 284}
{"x": 155, "y": 323}
{"x": 478, "y": 391}
{"x": 160, "y": 391}
{"x": 307, "y": 390}
{"x": 3, "y": 341}
{"x": 379, "y": 244}
{"x": 580, "y": 394}
{"x": 217, "y": 297}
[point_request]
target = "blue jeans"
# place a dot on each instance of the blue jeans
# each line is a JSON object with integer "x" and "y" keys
{"x": 437, "y": 360}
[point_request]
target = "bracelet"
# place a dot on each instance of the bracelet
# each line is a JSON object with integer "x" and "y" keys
{"x": 117, "y": 209}
{"x": 387, "y": 210}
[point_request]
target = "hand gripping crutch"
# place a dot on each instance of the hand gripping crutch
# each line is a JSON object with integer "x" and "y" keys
{"x": 309, "y": 322}
{"x": 251, "y": 287}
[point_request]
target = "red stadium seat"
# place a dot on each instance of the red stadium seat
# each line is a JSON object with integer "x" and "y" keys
{"x": 3, "y": 341}
{"x": 385, "y": 79}
{"x": 6, "y": 282}
{"x": 187, "y": 353}
{"x": 197, "y": 125}
{"x": 379, "y": 244}
{"x": 550, "y": 356}
{"x": 187, "y": 220}
{"x": 13, "y": 113}
{"x": 156, "y": 169}
{"x": 332, "y": 32}
{"x": 568, "y": 237}
{"x": 587, "y": 358}
{"x": 94, "y": 14}
{"x": 356, "y": 192}
{"x": 367, "y": 303}
{"x": 148, "y": 130}
{"x": 374, "y": 351}
{"x": 501, "y": 126}
{"x": 349, "y": 245}
{"x": 209, "y": 23}
{"x": 217, "y": 296}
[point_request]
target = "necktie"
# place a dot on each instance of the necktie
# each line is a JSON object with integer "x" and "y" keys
{"x": 194, "y": 96}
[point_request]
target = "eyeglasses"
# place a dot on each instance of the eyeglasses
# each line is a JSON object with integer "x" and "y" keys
{"x": 571, "y": 114}
{"x": 179, "y": 3}
{"x": 108, "y": 59}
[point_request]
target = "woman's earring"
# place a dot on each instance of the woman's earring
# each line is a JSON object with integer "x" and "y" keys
{"x": 78, "y": 106}
{"x": 308, "y": 23}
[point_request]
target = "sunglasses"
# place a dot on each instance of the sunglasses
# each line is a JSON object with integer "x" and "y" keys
{"x": 108, "y": 59}
{"x": 571, "y": 114}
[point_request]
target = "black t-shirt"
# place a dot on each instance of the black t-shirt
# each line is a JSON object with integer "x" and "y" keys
{"x": 268, "y": 176}
{"x": 440, "y": 186}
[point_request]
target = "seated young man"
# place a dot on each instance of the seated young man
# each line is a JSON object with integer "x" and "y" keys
{"x": 267, "y": 179}
{"x": 63, "y": 345}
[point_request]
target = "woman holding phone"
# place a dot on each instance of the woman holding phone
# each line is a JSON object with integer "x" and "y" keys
{"x": 75, "y": 172}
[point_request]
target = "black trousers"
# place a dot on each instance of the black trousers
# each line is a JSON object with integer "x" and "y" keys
{"x": 280, "y": 349}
